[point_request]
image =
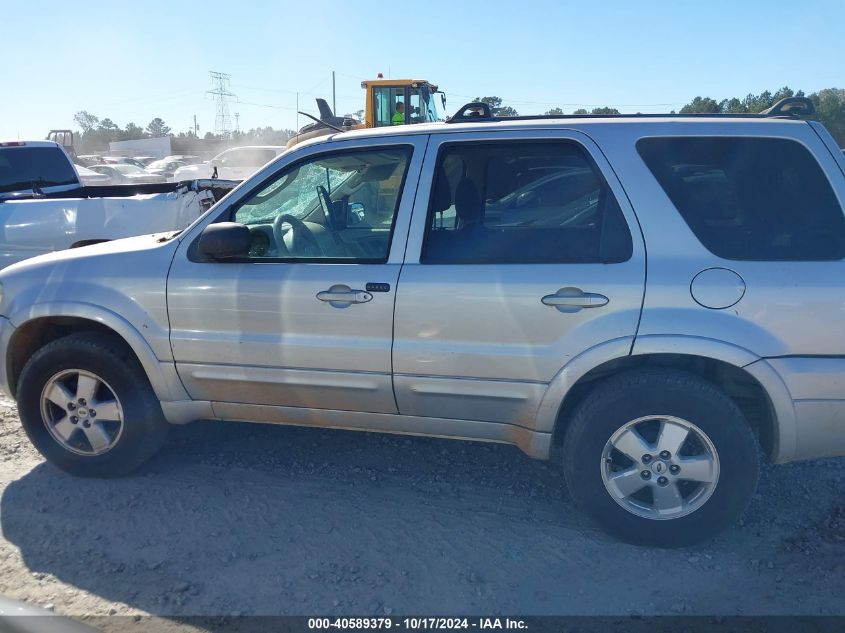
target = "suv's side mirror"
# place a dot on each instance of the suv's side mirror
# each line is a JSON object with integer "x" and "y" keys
{"x": 224, "y": 240}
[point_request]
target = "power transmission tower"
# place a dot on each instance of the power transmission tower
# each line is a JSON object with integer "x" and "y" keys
{"x": 221, "y": 93}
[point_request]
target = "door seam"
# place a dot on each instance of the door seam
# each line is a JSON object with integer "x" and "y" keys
{"x": 401, "y": 268}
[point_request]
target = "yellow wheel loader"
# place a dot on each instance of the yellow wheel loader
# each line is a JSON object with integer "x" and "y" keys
{"x": 389, "y": 102}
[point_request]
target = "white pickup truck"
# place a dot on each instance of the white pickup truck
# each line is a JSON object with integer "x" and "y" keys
{"x": 44, "y": 207}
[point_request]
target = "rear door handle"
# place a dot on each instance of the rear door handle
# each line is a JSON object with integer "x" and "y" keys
{"x": 574, "y": 299}
{"x": 342, "y": 296}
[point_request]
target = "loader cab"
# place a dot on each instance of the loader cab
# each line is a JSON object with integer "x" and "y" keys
{"x": 422, "y": 101}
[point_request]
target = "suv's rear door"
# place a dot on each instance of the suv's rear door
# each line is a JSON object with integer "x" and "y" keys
{"x": 523, "y": 253}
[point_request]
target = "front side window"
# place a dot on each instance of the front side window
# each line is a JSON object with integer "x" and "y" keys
{"x": 389, "y": 106}
{"x": 522, "y": 203}
{"x": 340, "y": 206}
{"x": 763, "y": 199}
{"x": 423, "y": 108}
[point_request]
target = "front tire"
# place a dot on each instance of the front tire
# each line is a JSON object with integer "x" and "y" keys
{"x": 660, "y": 457}
{"x": 87, "y": 406}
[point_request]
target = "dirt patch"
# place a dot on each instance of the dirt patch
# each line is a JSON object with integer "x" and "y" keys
{"x": 246, "y": 519}
{"x": 823, "y": 541}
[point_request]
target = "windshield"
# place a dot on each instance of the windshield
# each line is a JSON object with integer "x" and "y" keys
{"x": 422, "y": 105}
{"x": 21, "y": 167}
{"x": 430, "y": 99}
{"x": 296, "y": 194}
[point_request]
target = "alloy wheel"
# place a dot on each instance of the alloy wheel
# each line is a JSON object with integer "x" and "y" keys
{"x": 660, "y": 467}
{"x": 81, "y": 412}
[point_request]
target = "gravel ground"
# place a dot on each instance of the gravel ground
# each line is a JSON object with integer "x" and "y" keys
{"x": 249, "y": 519}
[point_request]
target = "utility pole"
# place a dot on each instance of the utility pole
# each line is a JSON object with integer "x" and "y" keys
{"x": 222, "y": 122}
{"x": 238, "y": 122}
{"x": 196, "y": 127}
{"x": 334, "y": 100}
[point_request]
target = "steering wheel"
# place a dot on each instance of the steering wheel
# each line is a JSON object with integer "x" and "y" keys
{"x": 299, "y": 231}
{"x": 325, "y": 203}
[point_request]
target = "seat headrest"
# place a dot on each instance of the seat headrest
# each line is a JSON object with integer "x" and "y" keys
{"x": 441, "y": 197}
{"x": 468, "y": 205}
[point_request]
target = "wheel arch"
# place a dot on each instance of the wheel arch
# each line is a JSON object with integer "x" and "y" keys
{"x": 44, "y": 323}
{"x": 746, "y": 378}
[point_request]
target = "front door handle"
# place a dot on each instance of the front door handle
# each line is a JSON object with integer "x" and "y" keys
{"x": 574, "y": 299}
{"x": 342, "y": 296}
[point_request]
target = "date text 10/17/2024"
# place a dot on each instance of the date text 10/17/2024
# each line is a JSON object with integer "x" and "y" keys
{"x": 418, "y": 623}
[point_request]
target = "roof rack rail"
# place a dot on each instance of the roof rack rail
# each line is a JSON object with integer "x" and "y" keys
{"x": 791, "y": 106}
{"x": 475, "y": 111}
{"x": 788, "y": 107}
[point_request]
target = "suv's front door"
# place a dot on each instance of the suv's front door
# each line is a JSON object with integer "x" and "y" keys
{"x": 305, "y": 320}
{"x": 522, "y": 255}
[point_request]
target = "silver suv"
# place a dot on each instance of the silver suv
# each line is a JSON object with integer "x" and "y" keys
{"x": 653, "y": 301}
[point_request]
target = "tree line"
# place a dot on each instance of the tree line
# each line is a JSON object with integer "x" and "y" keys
{"x": 829, "y": 103}
{"x": 498, "y": 109}
{"x": 96, "y": 133}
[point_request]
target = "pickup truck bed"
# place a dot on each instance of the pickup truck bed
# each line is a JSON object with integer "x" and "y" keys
{"x": 32, "y": 225}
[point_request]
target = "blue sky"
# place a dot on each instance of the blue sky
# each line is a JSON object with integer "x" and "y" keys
{"x": 132, "y": 61}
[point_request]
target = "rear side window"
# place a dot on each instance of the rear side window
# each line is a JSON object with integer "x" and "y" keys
{"x": 522, "y": 203}
{"x": 763, "y": 199}
{"x": 20, "y": 167}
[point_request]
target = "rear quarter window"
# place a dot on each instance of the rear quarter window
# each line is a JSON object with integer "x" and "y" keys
{"x": 763, "y": 199}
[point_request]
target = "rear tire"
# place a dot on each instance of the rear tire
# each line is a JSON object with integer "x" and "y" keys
{"x": 619, "y": 471}
{"x": 87, "y": 406}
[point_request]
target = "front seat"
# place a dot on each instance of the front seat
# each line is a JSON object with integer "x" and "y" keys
{"x": 461, "y": 244}
{"x": 468, "y": 207}
{"x": 471, "y": 239}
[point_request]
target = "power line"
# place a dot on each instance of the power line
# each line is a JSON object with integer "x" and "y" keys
{"x": 281, "y": 107}
{"x": 265, "y": 105}
{"x": 316, "y": 85}
{"x": 179, "y": 96}
{"x": 507, "y": 101}
{"x": 310, "y": 92}
{"x": 618, "y": 105}
{"x": 352, "y": 76}
{"x": 222, "y": 94}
